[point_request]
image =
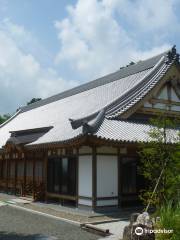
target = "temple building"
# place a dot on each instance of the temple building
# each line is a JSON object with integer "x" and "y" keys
{"x": 80, "y": 146}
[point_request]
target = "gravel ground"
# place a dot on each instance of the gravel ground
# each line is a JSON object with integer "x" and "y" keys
{"x": 16, "y": 224}
{"x": 65, "y": 214}
{"x": 116, "y": 228}
{"x": 58, "y": 211}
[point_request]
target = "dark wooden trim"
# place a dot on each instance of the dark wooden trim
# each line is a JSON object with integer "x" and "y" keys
{"x": 45, "y": 172}
{"x": 77, "y": 176}
{"x": 15, "y": 177}
{"x": 107, "y": 198}
{"x": 34, "y": 166}
{"x": 119, "y": 178}
{"x": 156, "y": 111}
{"x": 24, "y": 178}
{"x": 85, "y": 154}
{"x": 149, "y": 95}
{"x": 94, "y": 178}
{"x": 60, "y": 196}
{"x": 98, "y": 207}
{"x": 85, "y": 197}
{"x": 106, "y": 154}
{"x": 7, "y": 175}
{"x": 62, "y": 156}
{"x": 167, "y": 102}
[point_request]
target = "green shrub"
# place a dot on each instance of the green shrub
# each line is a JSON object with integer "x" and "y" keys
{"x": 169, "y": 219}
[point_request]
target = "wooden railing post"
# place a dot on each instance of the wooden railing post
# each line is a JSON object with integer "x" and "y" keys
{"x": 119, "y": 178}
{"x": 15, "y": 176}
{"x": 77, "y": 176}
{"x": 24, "y": 177}
{"x": 34, "y": 168}
{"x": 94, "y": 178}
{"x": 45, "y": 173}
{"x": 7, "y": 169}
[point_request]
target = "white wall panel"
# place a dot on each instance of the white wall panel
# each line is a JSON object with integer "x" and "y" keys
{"x": 107, "y": 176}
{"x": 163, "y": 94}
{"x": 112, "y": 202}
{"x": 174, "y": 97}
{"x": 86, "y": 202}
{"x": 85, "y": 176}
{"x": 175, "y": 108}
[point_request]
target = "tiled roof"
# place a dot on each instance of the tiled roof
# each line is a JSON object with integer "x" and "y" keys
{"x": 129, "y": 131}
{"x": 89, "y": 105}
{"x": 121, "y": 73}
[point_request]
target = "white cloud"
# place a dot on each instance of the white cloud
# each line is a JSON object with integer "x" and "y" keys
{"x": 96, "y": 37}
{"x": 149, "y": 15}
{"x": 100, "y": 36}
{"x": 21, "y": 74}
{"x": 25, "y": 40}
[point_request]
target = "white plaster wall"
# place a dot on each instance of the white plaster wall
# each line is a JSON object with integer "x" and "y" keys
{"x": 85, "y": 176}
{"x": 86, "y": 202}
{"x": 175, "y": 108}
{"x": 113, "y": 202}
{"x": 174, "y": 97}
{"x": 163, "y": 94}
{"x": 160, "y": 106}
{"x": 107, "y": 176}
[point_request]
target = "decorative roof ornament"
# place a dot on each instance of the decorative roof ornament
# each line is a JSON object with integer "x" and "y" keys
{"x": 177, "y": 57}
{"x": 89, "y": 124}
{"x": 172, "y": 55}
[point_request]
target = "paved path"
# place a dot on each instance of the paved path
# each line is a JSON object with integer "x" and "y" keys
{"x": 116, "y": 228}
{"x": 16, "y": 224}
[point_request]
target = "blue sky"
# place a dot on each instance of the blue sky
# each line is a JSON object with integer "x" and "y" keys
{"x": 47, "y": 46}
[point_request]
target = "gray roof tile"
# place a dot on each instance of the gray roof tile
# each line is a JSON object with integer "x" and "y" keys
{"x": 129, "y": 131}
{"x": 109, "y": 92}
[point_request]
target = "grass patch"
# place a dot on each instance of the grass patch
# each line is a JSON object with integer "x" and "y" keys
{"x": 169, "y": 219}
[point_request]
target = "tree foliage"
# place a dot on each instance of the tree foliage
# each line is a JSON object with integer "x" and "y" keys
{"x": 4, "y": 118}
{"x": 33, "y": 100}
{"x": 160, "y": 156}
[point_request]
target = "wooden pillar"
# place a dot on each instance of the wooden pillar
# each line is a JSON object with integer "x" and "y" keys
{"x": 24, "y": 177}
{"x": 4, "y": 172}
{"x": 119, "y": 178}
{"x": 15, "y": 176}
{"x": 7, "y": 170}
{"x": 77, "y": 176}
{"x": 34, "y": 167}
{"x": 1, "y": 168}
{"x": 45, "y": 173}
{"x": 94, "y": 178}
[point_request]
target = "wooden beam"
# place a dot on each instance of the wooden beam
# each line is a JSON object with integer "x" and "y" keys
{"x": 34, "y": 167}
{"x": 24, "y": 177}
{"x": 164, "y": 101}
{"x": 15, "y": 176}
{"x": 155, "y": 111}
{"x": 45, "y": 172}
{"x": 61, "y": 196}
{"x": 7, "y": 170}
{"x": 77, "y": 176}
{"x": 119, "y": 179}
{"x": 94, "y": 178}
